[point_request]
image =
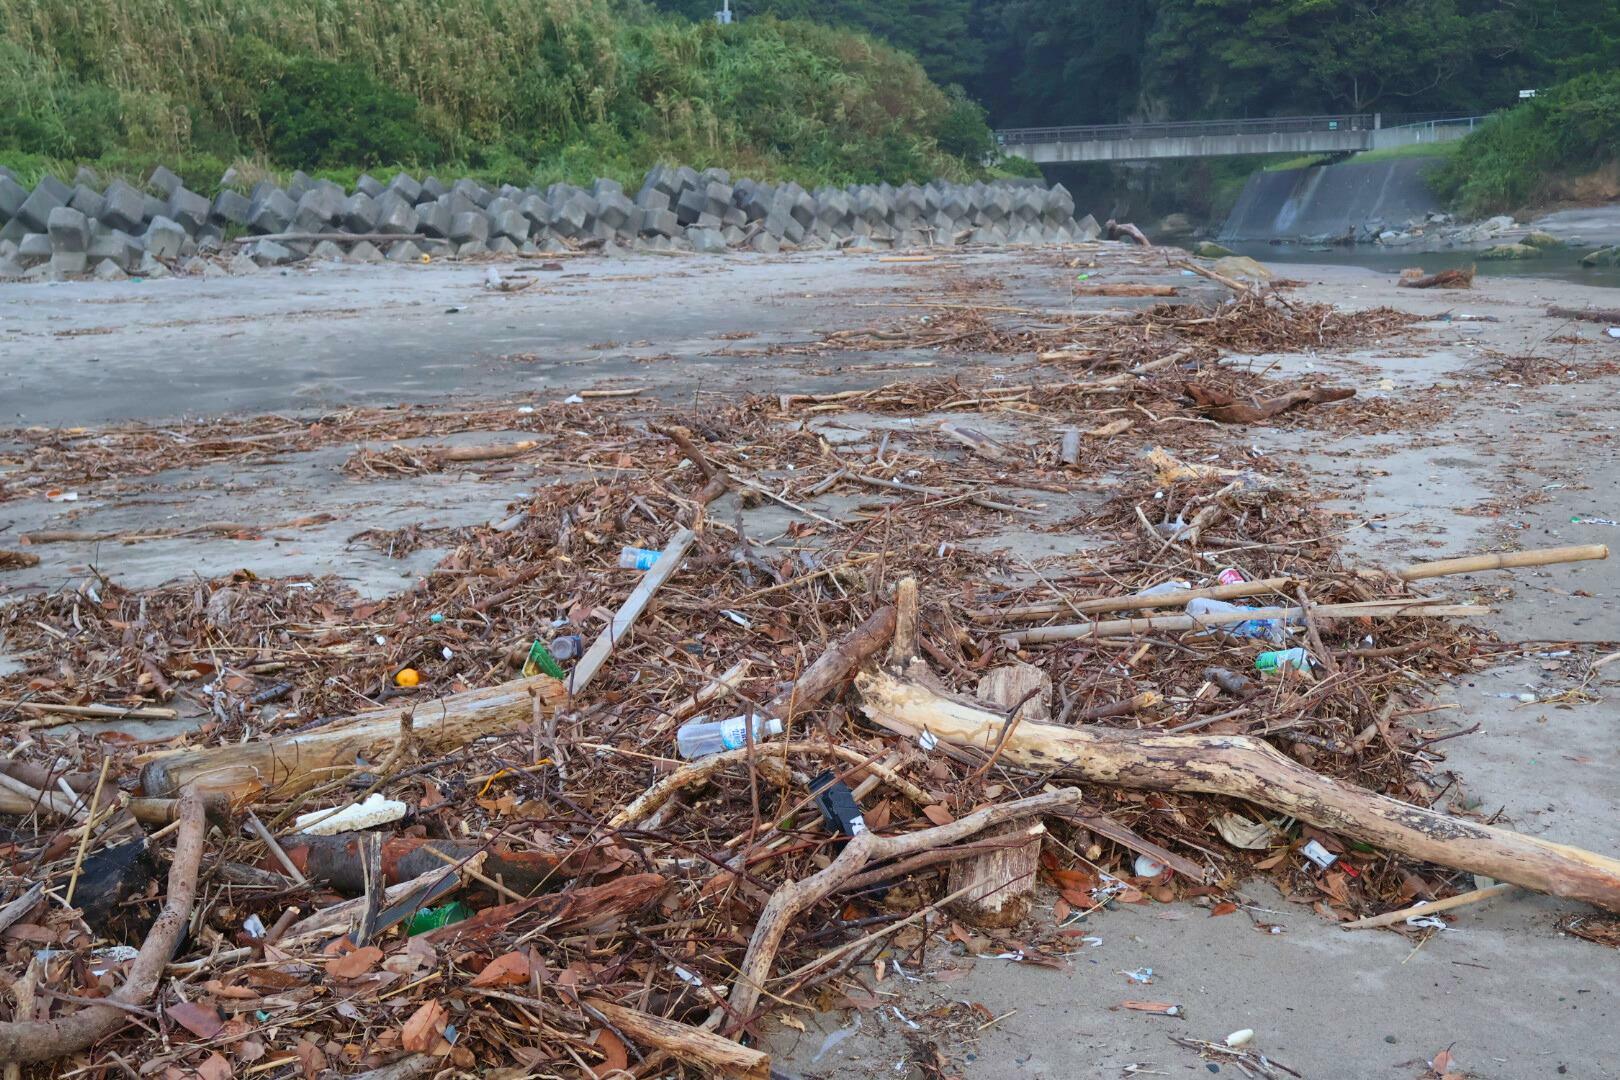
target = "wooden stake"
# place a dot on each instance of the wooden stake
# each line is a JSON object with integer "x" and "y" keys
{"x": 997, "y": 887}
{"x": 629, "y": 612}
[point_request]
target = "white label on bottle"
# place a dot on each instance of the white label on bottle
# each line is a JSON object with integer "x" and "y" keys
{"x": 733, "y": 733}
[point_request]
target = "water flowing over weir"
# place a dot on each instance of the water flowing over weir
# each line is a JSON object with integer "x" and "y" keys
{"x": 1327, "y": 201}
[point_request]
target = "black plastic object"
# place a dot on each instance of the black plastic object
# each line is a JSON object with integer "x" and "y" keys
{"x": 837, "y": 804}
{"x": 111, "y": 891}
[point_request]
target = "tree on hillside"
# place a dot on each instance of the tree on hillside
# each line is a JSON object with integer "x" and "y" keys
{"x": 934, "y": 31}
{"x": 1254, "y": 57}
{"x": 1062, "y": 61}
{"x": 1032, "y": 62}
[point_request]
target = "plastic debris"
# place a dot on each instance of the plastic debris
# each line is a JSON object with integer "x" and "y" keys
{"x": 1298, "y": 659}
{"x": 375, "y": 810}
{"x": 1147, "y": 867}
{"x": 837, "y": 804}
{"x": 541, "y": 662}
{"x": 634, "y": 558}
{"x": 435, "y": 918}
{"x": 701, "y": 737}
{"x": 835, "y": 1037}
{"x": 1318, "y": 854}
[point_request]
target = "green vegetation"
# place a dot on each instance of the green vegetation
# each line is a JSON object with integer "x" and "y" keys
{"x": 520, "y": 90}
{"x": 1438, "y": 151}
{"x": 1538, "y": 150}
{"x": 1040, "y": 62}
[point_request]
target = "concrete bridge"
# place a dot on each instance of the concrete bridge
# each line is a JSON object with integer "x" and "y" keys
{"x": 1212, "y": 138}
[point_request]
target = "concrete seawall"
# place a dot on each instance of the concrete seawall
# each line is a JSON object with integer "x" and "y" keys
{"x": 1331, "y": 200}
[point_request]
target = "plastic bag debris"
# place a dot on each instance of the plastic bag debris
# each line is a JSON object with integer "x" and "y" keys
{"x": 1240, "y": 832}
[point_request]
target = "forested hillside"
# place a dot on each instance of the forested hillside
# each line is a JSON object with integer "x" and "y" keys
{"x": 522, "y": 90}
{"x": 1102, "y": 61}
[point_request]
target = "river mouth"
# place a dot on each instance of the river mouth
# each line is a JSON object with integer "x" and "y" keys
{"x": 1560, "y": 264}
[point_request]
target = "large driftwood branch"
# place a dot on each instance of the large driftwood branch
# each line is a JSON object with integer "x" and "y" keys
{"x": 43, "y": 1040}
{"x": 791, "y": 900}
{"x": 1250, "y": 769}
{"x": 288, "y": 764}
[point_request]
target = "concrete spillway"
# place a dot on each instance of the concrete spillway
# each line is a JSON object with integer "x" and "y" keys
{"x": 1330, "y": 200}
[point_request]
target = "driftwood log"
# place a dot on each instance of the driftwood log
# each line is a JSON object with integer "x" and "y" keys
{"x": 906, "y": 698}
{"x": 1220, "y": 406}
{"x": 288, "y": 764}
{"x": 1600, "y": 315}
{"x": 1445, "y": 279}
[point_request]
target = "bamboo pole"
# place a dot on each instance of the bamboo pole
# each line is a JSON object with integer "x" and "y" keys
{"x": 1505, "y": 560}
{"x": 1417, "y": 608}
{"x": 110, "y": 712}
{"x": 1178, "y": 598}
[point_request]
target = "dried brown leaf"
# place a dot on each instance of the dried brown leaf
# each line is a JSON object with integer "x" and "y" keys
{"x": 423, "y": 1029}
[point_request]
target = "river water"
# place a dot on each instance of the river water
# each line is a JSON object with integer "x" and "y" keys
{"x": 1559, "y": 265}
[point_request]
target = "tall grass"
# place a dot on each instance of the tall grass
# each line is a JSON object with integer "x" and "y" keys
{"x": 545, "y": 87}
{"x": 1538, "y": 150}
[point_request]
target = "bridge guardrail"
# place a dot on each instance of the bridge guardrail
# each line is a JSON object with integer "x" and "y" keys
{"x": 1189, "y": 129}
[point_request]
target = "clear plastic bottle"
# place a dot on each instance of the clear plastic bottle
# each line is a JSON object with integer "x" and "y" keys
{"x": 634, "y": 558}
{"x": 1270, "y": 629}
{"x": 702, "y": 736}
{"x": 1165, "y": 587}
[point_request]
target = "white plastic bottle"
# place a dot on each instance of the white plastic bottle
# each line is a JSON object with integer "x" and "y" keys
{"x": 702, "y": 736}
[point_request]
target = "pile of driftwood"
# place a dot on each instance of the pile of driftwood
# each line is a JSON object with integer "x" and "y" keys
{"x": 532, "y": 880}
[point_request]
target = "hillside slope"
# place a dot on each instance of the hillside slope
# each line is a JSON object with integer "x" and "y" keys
{"x": 529, "y": 90}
